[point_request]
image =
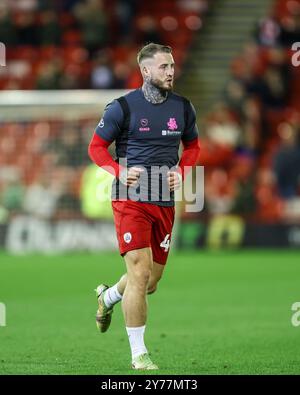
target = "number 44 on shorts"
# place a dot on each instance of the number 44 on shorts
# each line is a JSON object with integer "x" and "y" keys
{"x": 165, "y": 243}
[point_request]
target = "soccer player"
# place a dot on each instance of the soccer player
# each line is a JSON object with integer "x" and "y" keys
{"x": 147, "y": 126}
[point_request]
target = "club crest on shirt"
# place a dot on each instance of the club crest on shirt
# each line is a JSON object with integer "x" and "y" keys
{"x": 127, "y": 237}
{"x": 172, "y": 125}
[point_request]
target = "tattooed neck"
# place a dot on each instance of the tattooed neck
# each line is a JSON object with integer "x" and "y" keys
{"x": 153, "y": 94}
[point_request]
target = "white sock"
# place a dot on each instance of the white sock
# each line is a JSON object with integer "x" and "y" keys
{"x": 112, "y": 296}
{"x": 136, "y": 340}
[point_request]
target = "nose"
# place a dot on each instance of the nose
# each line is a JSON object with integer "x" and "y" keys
{"x": 170, "y": 72}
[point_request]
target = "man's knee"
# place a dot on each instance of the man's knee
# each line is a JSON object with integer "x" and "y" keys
{"x": 151, "y": 289}
{"x": 141, "y": 277}
{"x": 152, "y": 286}
{"x": 156, "y": 275}
{"x": 140, "y": 267}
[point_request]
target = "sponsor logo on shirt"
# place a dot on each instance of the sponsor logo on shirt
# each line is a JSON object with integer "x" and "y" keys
{"x": 144, "y": 125}
{"x": 101, "y": 123}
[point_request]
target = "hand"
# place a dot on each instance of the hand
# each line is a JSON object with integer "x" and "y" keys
{"x": 130, "y": 177}
{"x": 174, "y": 180}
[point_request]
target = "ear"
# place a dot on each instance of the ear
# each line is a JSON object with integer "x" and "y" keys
{"x": 145, "y": 70}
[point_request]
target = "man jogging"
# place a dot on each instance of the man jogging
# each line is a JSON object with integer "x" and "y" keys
{"x": 147, "y": 126}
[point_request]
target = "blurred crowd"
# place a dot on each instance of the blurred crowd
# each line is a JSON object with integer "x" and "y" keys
{"x": 43, "y": 178}
{"x": 73, "y": 44}
{"x": 78, "y": 44}
{"x": 251, "y": 148}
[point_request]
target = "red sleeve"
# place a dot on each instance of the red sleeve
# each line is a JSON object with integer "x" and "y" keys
{"x": 98, "y": 152}
{"x": 190, "y": 155}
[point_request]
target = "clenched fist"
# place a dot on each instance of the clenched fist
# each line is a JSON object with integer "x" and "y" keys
{"x": 130, "y": 177}
{"x": 174, "y": 180}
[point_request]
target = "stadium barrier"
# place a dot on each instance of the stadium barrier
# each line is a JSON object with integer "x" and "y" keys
{"x": 233, "y": 232}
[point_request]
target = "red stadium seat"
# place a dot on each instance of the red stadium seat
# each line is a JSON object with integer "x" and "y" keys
{"x": 72, "y": 37}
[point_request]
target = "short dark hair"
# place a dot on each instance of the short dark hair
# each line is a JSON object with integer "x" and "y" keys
{"x": 149, "y": 50}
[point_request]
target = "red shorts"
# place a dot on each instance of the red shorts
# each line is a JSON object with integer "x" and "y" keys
{"x": 140, "y": 225}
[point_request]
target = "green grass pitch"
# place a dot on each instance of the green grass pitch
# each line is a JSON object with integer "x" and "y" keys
{"x": 213, "y": 313}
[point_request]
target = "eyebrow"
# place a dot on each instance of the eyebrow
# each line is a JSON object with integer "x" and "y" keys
{"x": 166, "y": 64}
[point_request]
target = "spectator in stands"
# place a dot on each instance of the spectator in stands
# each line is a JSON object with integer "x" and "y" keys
{"x": 59, "y": 5}
{"x": 68, "y": 5}
{"x": 221, "y": 136}
{"x": 249, "y": 64}
{"x": 69, "y": 147}
{"x": 131, "y": 74}
{"x": 94, "y": 24}
{"x": 252, "y": 122}
{"x": 268, "y": 32}
{"x": 8, "y": 34}
{"x": 24, "y": 5}
{"x": 125, "y": 11}
{"x": 199, "y": 6}
{"x": 290, "y": 28}
{"x": 27, "y": 29}
{"x": 234, "y": 95}
{"x": 148, "y": 30}
{"x": 287, "y": 161}
{"x": 71, "y": 78}
{"x": 102, "y": 75}
{"x": 223, "y": 126}
{"x": 273, "y": 86}
{"x": 269, "y": 207}
{"x": 219, "y": 192}
{"x": 42, "y": 196}
{"x": 243, "y": 172}
{"x": 68, "y": 203}
{"x": 49, "y": 29}
{"x": 121, "y": 73}
{"x": 12, "y": 190}
{"x": 50, "y": 75}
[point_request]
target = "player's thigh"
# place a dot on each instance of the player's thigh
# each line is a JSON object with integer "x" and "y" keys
{"x": 133, "y": 228}
{"x": 139, "y": 264}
